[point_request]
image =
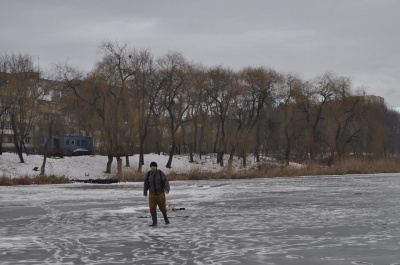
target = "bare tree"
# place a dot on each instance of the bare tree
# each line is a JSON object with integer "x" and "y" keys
{"x": 173, "y": 74}
{"x": 222, "y": 87}
{"x": 46, "y": 146}
{"x": 196, "y": 112}
{"x": 105, "y": 91}
{"x": 258, "y": 86}
{"x": 144, "y": 91}
{"x": 289, "y": 95}
{"x": 316, "y": 94}
{"x": 341, "y": 118}
{"x": 23, "y": 80}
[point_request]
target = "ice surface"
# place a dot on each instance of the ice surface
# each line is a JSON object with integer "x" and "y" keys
{"x": 304, "y": 221}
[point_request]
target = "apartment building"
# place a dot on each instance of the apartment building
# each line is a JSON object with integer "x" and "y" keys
{"x": 33, "y": 107}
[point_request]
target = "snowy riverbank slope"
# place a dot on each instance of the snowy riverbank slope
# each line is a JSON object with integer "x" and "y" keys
{"x": 84, "y": 167}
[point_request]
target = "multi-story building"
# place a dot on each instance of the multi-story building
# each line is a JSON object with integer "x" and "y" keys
{"x": 46, "y": 113}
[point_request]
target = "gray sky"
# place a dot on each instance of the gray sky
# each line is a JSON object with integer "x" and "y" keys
{"x": 359, "y": 39}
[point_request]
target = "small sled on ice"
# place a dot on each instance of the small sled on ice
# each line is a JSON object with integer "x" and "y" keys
{"x": 170, "y": 208}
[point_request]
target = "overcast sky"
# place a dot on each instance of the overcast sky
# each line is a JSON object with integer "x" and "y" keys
{"x": 359, "y": 39}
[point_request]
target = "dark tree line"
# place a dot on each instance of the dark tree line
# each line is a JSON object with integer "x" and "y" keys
{"x": 134, "y": 103}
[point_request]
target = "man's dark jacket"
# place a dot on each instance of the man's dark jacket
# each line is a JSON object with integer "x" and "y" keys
{"x": 155, "y": 182}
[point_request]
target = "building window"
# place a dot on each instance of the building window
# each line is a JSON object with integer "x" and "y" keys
{"x": 66, "y": 142}
{"x": 78, "y": 142}
{"x": 10, "y": 139}
{"x": 72, "y": 142}
{"x": 27, "y": 140}
{"x": 83, "y": 143}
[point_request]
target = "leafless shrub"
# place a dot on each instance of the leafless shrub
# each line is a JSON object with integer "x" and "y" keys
{"x": 5, "y": 181}
{"x": 44, "y": 179}
{"x": 37, "y": 180}
{"x": 347, "y": 165}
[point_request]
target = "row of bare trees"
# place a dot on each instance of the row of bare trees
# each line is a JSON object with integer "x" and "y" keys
{"x": 132, "y": 102}
{"x": 20, "y": 91}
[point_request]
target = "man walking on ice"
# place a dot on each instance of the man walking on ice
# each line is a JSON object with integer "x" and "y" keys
{"x": 157, "y": 184}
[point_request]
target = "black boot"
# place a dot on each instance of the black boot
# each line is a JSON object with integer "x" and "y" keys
{"x": 165, "y": 217}
{"x": 154, "y": 218}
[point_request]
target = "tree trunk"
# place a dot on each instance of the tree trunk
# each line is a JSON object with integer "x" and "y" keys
{"x": 25, "y": 149}
{"x": 288, "y": 150}
{"x": 158, "y": 148}
{"x": 244, "y": 157}
{"x": 109, "y": 163}
{"x": 191, "y": 160}
{"x": 230, "y": 160}
{"x": 141, "y": 158}
{"x": 311, "y": 150}
{"x": 158, "y": 137}
{"x": 216, "y": 143}
{"x": 127, "y": 163}
{"x": 18, "y": 149}
{"x": 1, "y": 142}
{"x": 194, "y": 145}
{"x": 220, "y": 158}
{"x": 331, "y": 158}
{"x": 119, "y": 167}
{"x": 201, "y": 140}
{"x": 257, "y": 147}
{"x": 171, "y": 154}
{"x": 43, "y": 167}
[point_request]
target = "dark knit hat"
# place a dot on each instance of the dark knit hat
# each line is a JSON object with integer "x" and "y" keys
{"x": 153, "y": 164}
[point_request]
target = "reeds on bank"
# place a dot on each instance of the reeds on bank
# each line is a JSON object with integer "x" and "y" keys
{"x": 344, "y": 166}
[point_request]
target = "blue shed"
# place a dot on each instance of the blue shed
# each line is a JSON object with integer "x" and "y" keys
{"x": 69, "y": 145}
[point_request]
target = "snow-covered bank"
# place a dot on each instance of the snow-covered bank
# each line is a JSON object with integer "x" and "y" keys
{"x": 84, "y": 167}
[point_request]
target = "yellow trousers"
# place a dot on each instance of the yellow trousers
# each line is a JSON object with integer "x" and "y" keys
{"x": 157, "y": 199}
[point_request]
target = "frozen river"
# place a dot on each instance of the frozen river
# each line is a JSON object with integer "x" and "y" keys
{"x": 304, "y": 221}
